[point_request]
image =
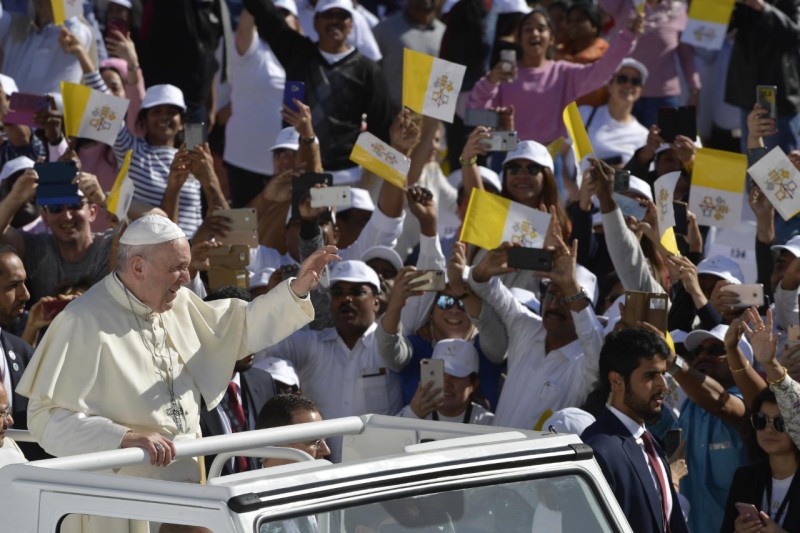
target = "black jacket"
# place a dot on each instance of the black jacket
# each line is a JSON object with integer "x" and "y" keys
{"x": 749, "y": 483}
{"x": 766, "y": 52}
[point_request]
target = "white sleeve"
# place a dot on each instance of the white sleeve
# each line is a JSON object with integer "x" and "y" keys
{"x": 512, "y": 313}
{"x": 364, "y": 39}
{"x": 380, "y": 230}
{"x": 590, "y": 335}
{"x": 786, "y": 308}
{"x": 415, "y": 313}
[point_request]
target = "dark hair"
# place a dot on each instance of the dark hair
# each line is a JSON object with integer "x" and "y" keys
{"x": 590, "y": 11}
{"x": 544, "y": 13}
{"x": 756, "y": 453}
{"x": 279, "y": 409}
{"x": 8, "y": 249}
{"x": 548, "y": 197}
{"x": 623, "y": 351}
{"x": 140, "y": 121}
{"x": 230, "y": 291}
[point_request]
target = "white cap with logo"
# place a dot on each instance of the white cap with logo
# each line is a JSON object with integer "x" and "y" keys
{"x": 792, "y": 245}
{"x": 287, "y": 138}
{"x": 354, "y": 272}
{"x": 695, "y": 338}
{"x": 532, "y": 151}
{"x": 385, "y": 253}
{"x": 460, "y": 357}
{"x": 163, "y": 95}
{"x": 722, "y": 267}
{"x": 325, "y": 5}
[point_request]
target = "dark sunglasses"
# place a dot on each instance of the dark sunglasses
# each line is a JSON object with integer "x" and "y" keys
{"x": 760, "y": 421}
{"x": 445, "y": 302}
{"x": 339, "y": 15}
{"x": 624, "y": 78}
{"x": 715, "y": 350}
{"x": 56, "y": 209}
{"x": 532, "y": 168}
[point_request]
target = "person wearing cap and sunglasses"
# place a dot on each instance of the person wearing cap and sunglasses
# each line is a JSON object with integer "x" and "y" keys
{"x": 771, "y": 484}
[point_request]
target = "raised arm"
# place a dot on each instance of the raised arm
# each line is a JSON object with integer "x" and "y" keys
{"x": 24, "y": 191}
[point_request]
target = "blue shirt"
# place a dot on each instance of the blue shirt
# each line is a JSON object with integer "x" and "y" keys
{"x": 714, "y": 450}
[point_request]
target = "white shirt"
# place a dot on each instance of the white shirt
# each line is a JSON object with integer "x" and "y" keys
{"x": 343, "y": 382}
{"x": 539, "y": 383}
{"x": 380, "y": 229}
{"x": 480, "y": 415}
{"x": 637, "y": 431}
{"x": 610, "y": 137}
{"x": 360, "y": 37}
{"x": 257, "y": 82}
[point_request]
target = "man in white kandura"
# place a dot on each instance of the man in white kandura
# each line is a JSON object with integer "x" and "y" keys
{"x": 126, "y": 364}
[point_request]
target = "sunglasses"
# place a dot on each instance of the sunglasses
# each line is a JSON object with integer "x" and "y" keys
{"x": 445, "y": 302}
{"x": 623, "y": 79}
{"x": 56, "y": 209}
{"x": 339, "y": 15}
{"x": 714, "y": 350}
{"x": 532, "y": 168}
{"x": 760, "y": 421}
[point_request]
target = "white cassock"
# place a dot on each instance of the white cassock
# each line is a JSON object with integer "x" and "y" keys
{"x": 94, "y": 377}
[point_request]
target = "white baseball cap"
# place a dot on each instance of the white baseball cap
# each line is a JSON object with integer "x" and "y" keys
{"x": 15, "y": 165}
{"x": 354, "y": 272}
{"x": 532, "y": 151}
{"x": 640, "y": 187}
{"x": 487, "y": 176}
{"x": 151, "y": 229}
{"x": 792, "y": 245}
{"x": 528, "y": 299}
{"x": 163, "y": 95}
{"x": 8, "y": 84}
{"x": 569, "y": 420}
{"x": 722, "y": 267}
{"x": 287, "y": 138}
{"x": 359, "y": 199}
{"x": 512, "y": 6}
{"x": 460, "y": 357}
{"x": 325, "y": 5}
{"x": 280, "y": 370}
{"x": 638, "y": 65}
{"x": 695, "y": 338}
{"x": 123, "y": 3}
{"x": 385, "y": 253}
{"x": 288, "y": 5}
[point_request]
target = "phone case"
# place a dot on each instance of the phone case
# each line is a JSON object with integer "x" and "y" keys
{"x": 302, "y": 183}
{"x": 650, "y": 307}
{"x": 432, "y": 370}
{"x": 194, "y": 135}
{"x": 229, "y": 257}
{"x": 749, "y": 294}
{"x": 622, "y": 180}
{"x": 435, "y": 281}
{"x": 244, "y": 226}
{"x": 340, "y": 196}
{"x": 294, "y": 89}
{"x": 501, "y": 141}
{"x": 530, "y": 259}
{"x": 766, "y": 96}
{"x": 218, "y": 278}
{"x": 51, "y": 309}
{"x": 481, "y": 117}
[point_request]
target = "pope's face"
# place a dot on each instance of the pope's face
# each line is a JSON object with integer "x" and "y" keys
{"x": 6, "y": 421}
{"x": 163, "y": 274}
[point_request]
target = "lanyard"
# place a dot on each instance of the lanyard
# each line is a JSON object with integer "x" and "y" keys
{"x": 467, "y": 414}
{"x": 785, "y": 502}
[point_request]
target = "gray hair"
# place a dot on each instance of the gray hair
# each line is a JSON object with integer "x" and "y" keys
{"x": 126, "y": 252}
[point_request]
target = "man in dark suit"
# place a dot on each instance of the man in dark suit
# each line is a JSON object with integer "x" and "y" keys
{"x": 632, "y": 367}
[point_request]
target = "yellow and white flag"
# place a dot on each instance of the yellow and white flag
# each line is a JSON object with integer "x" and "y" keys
{"x": 664, "y": 188}
{"x": 577, "y": 131}
{"x": 91, "y": 114}
{"x": 639, "y": 6}
{"x": 381, "y": 159}
{"x": 708, "y": 23}
{"x": 778, "y": 178}
{"x": 492, "y": 220}
{"x": 119, "y": 199}
{"x": 717, "y": 192}
{"x": 64, "y": 9}
{"x": 431, "y": 85}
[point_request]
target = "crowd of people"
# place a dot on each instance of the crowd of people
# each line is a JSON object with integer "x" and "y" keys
{"x": 114, "y": 335}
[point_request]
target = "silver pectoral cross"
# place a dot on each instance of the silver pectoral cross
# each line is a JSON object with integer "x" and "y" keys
{"x": 176, "y": 412}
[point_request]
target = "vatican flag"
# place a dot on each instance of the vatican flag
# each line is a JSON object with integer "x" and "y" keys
{"x": 381, "y": 159}
{"x": 91, "y": 114}
{"x": 119, "y": 200}
{"x": 64, "y": 9}
{"x": 778, "y": 178}
{"x": 708, "y": 23}
{"x": 577, "y": 131}
{"x": 431, "y": 85}
{"x": 492, "y": 220}
{"x": 664, "y": 188}
{"x": 717, "y": 194}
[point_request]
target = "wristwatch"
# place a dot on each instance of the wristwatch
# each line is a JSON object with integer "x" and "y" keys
{"x": 677, "y": 365}
{"x": 580, "y": 295}
{"x": 308, "y": 140}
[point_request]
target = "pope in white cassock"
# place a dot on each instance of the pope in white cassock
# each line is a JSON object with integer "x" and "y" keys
{"x": 126, "y": 364}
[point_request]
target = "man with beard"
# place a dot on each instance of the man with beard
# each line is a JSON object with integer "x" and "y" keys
{"x": 632, "y": 367}
{"x": 340, "y": 367}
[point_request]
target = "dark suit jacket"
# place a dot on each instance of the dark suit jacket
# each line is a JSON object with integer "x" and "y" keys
{"x": 626, "y": 471}
{"x": 749, "y": 483}
{"x": 18, "y": 352}
{"x": 256, "y": 389}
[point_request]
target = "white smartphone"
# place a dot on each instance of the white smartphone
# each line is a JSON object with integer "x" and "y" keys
{"x": 337, "y": 196}
{"x": 432, "y": 370}
{"x": 500, "y": 141}
{"x": 749, "y": 294}
{"x": 509, "y": 59}
{"x": 194, "y": 134}
{"x": 433, "y": 280}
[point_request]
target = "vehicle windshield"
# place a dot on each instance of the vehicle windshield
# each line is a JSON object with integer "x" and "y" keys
{"x": 564, "y": 503}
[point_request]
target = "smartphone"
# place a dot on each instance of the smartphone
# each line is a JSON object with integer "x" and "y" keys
{"x": 622, "y": 180}
{"x": 432, "y": 370}
{"x": 681, "y": 220}
{"x": 194, "y": 134}
{"x": 647, "y": 306}
{"x": 509, "y": 59}
{"x": 674, "y": 121}
{"x": 672, "y": 440}
{"x": 55, "y": 183}
{"x": 749, "y": 294}
{"x": 481, "y": 117}
{"x": 500, "y": 141}
{"x": 337, "y": 196}
{"x": 244, "y": 226}
{"x": 530, "y": 259}
{"x": 766, "y": 97}
{"x": 429, "y": 280}
{"x": 301, "y": 185}
{"x": 51, "y": 308}
{"x": 294, "y": 89}
{"x": 749, "y": 510}
{"x": 23, "y": 107}
{"x": 630, "y": 207}
{"x": 614, "y": 160}
{"x": 122, "y": 26}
